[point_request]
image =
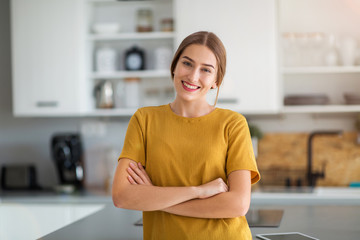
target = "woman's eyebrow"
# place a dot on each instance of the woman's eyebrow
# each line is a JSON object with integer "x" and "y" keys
{"x": 208, "y": 65}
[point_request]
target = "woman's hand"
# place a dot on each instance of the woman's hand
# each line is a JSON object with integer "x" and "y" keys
{"x": 138, "y": 175}
{"x": 212, "y": 188}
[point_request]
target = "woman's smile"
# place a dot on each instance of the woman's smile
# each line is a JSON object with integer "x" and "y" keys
{"x": 189, "y": 87}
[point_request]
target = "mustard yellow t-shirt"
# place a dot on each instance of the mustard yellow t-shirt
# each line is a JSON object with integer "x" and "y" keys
{"x": 180, "y": 151}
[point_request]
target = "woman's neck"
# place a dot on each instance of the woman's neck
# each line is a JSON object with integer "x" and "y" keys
{"x": 191, "y": 109}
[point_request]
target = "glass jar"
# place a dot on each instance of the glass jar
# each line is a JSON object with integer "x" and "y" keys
{"x": 144, "y": 20}
{"x": 167, "y": 25}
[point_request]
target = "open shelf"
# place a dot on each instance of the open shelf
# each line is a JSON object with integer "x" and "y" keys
{"x": 321, "y": 109}
{"x": 131, "y": 36}
{"x": 111, "y": 112}
{"x": 309, "y": 70}
{"x": 131, "y": 74}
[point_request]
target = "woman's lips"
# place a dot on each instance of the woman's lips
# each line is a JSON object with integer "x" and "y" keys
{"x": 189, "y": 87}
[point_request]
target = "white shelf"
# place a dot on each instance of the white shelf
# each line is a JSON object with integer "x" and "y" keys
{"x": 321, "y": 109}
{"x": 129, "y": 74}
{"x": 131, "y": 36}
{"x": 308, "y": 70}
{"x": 112, "y": 112}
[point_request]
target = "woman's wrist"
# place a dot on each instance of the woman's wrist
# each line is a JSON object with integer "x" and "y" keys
{"x": 197, "y": 191}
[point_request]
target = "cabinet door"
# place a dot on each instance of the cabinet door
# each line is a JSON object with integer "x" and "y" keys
{"x": 47, "y": 59}
{"x": 248, "y": 31}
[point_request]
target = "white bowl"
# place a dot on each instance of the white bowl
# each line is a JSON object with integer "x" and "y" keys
{"x": 106, "y": 28}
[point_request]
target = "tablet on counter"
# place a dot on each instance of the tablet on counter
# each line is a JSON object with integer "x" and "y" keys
{"x": 285, "y": 236}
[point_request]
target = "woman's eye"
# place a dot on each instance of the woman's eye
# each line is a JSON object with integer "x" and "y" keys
{"x": 206, "y": 70}
{"x": 187, "y": 63}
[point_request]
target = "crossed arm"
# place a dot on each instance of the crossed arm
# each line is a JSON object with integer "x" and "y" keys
{"x": 133, "y": 189}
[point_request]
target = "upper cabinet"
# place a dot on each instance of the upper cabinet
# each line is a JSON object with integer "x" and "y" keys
{"x": 248, "y": 30}
{"x": 107, "y": 57}
{"x": 320, "y": 55}
{"x": 48, "y": 57}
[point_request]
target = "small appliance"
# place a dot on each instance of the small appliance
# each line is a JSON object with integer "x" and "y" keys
{"x": 19, "y": 177}
{"x": 67, "y": 152}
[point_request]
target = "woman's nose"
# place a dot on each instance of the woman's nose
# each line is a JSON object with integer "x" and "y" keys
{"x": 194, "y": 75}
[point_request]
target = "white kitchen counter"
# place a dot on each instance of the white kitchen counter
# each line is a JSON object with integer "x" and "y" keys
{"x": 316, "y": 196}
{"x": 38, "y": 214}
{"x": 48, "y": 197}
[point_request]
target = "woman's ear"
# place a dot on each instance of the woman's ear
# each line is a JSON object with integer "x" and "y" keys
{"x": 214, "y": 85}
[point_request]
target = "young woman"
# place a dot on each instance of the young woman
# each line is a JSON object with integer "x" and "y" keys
{"x": 188, "y": 165}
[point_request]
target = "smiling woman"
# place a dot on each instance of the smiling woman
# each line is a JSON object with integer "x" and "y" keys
{"x": 188, "y": 165}
{"x": 195, "y": 74}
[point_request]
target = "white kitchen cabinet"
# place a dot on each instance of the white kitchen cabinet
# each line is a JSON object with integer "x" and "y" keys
{"x": 32, "y": 221}
{"x": 248, "y": 30}
{"x": 304, "y": 45}
{"x": 48, "y": 39}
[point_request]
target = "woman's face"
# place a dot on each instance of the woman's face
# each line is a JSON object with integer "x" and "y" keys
{"x": 195, "y": 73}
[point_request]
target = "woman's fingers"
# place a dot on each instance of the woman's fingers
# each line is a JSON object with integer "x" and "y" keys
{"x": 212, "y": 188}
{"x": 138, "y": 173}
{"x": 135, "y": 175}
{"x": 131, "y": 180}
{"x": 148, "y": 180}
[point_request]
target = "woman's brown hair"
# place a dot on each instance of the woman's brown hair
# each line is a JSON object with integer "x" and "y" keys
{"x": 211, "y": 41}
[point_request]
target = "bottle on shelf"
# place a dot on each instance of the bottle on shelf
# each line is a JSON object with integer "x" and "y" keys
{"x": 331, "y": 56}
{"x": 132, "y": 92}
{"x": 347, "y": 47}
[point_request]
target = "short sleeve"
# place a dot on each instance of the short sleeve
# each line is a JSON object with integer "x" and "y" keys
{"x": 240, "y": 154}
{"x": 134, "y": 144}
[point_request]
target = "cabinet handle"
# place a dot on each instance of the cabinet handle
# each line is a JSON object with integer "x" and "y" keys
{"x": 228, "y": 100}
{"x": 47, "y": 104}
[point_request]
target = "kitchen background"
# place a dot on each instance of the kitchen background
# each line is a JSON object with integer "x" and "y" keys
{"x": 282, "y": 151}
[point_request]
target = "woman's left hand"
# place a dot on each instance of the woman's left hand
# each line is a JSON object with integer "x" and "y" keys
{"x": 138, "y": 175}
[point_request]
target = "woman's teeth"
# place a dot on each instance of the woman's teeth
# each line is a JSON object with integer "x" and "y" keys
{"x": 190, "y": 86}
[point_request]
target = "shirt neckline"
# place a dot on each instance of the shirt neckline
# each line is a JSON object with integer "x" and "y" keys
{"x": 189, "y": 119}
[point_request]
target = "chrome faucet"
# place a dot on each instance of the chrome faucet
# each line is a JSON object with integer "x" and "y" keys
{"x": 313, "y": 176}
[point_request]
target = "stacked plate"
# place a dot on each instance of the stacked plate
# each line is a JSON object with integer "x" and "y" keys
{"x": 306, "y": 99}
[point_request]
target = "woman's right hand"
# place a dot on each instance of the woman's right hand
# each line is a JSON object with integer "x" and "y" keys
{"x": 212, "y": 188}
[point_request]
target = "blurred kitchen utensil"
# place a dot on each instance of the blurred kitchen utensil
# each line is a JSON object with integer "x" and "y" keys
{"x": 104, "y": 94}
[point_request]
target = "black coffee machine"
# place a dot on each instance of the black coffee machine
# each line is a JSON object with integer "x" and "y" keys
{"x": 67, "y": 153}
